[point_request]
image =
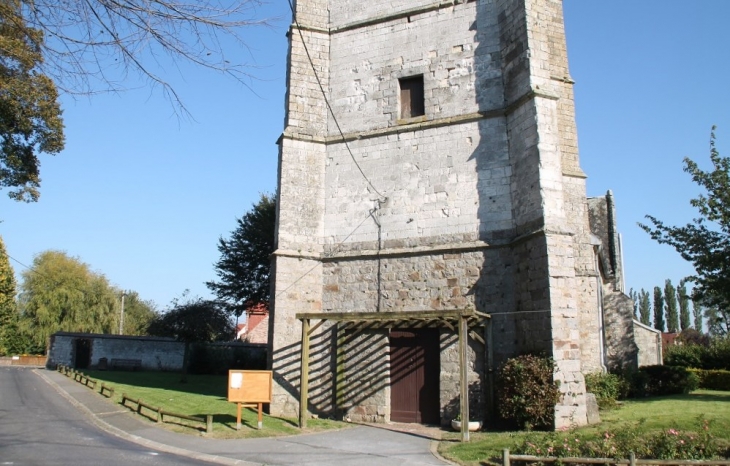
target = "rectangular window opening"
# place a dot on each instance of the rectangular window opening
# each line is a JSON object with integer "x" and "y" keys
{"x": 411, "y": 97}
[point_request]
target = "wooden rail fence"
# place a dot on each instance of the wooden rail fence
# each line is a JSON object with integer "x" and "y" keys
{"x": 107, "y": 391}
{"x": 508, "y": 458}
{"x": 160, "y": 413}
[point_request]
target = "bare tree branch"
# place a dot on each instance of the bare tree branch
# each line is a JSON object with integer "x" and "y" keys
{"x": 95, "y": 46}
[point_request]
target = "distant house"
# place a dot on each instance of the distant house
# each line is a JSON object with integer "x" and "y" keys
{"x": 256, "y": 328}
{"x": 669, "y": 339}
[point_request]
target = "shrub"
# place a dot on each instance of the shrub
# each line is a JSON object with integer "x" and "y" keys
{"x": 527, "y": 393}
{"x": 663, "y": 380}
{"x": 713, "y": 380}
{"x": 620, "y": 443}
{"x": 690, "y": 356}
{"x": 718, "y": 356}
{"x": 607, "y": 387}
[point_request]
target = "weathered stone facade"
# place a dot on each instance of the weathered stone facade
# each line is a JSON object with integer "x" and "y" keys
{"x": 478, "y": 203}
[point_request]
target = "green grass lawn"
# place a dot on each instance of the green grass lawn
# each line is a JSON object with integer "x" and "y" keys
{"x": 199, "y": 396}
{"x": 680, "y": 412}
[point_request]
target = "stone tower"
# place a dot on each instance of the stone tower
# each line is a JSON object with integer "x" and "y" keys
{"x": 445, "y": 176}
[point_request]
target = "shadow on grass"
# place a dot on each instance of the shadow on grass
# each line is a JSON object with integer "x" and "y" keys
{"x": 703, "y": 396}
{"x": 208, "y": 385}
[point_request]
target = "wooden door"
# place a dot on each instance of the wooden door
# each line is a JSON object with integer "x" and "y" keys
{"x": 414, "y": 376}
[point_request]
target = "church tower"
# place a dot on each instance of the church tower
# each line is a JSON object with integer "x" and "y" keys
{"x": 429, "y": 163}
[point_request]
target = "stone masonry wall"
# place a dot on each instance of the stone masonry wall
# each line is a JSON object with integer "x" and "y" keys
{"x": 478, "y": 203}
{"x": 160, "y": 354}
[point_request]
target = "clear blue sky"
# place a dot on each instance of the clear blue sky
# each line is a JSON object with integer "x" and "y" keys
{"x": 142, "y": 197}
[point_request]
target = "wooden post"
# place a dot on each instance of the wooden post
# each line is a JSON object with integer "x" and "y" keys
{"x": 505, "y": 457}
{"x": 208, "y": 423}
{"x": 464, "y": 380}
{"x": 238, "y": 416}
{"x": 261, "y": 416}
{"x": 304, "y": 379}
{"x": 490, "y": 369}
{"x": 340, "y": 372}
{"x": 632, "y": 459}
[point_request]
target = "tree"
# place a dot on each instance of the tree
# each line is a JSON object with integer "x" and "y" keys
{"x": 94, "y": 45}
{"x": 658, "y": 309}
{"x": 705, "y": 242}
{"x": 644, "y": 307}
{"x": 61, "y": 293}
{"x": 30, "y": 116}
{"x": 244, "y": 265}
{"x": 8, "y": 308}
{"x": 91, "y": 46}
{"x": 138, "y": 314}
{"x": 684, "y": 319}
{"x": 670, "y": 303}
{"x": 193, "y": 321}
{"x": 697, "y": 315}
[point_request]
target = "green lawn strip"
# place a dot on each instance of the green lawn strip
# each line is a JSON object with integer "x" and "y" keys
{"x": 200, "y": 395}
{"x": 680, "y": 412}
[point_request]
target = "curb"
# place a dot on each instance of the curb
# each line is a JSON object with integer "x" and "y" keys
{"x": 110, "y": 429}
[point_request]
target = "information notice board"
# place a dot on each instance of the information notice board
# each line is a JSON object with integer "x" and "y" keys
{"x": 250, "y": 389}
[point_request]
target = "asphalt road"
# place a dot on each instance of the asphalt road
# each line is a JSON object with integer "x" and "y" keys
{"x": 39, "y": 427}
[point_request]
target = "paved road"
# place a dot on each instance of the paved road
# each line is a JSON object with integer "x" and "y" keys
{"x": 39, "y": 427}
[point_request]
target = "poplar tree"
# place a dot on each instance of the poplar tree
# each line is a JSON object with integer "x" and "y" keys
{"x": 635, "y": 299}
{"x": 644, "y": 307}
{"x": 670, "y": 303}
{"x": 658, "y": 309}
{"x": 684, "y": 318}
{"x": 697, "y": 315}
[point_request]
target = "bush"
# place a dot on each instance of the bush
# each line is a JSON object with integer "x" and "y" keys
{"x": 527, "y": 393}
{"x": 662, "y": 380}
{"x": 713, "y": 380}
{"x": 620, "y": 443}
{"x": 716, "y": 356}
{"x": 607, "y": 387}
{"x": 689, "y": 356}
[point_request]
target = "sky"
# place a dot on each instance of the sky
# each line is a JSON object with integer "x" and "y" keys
{"x": 142, "y": 196}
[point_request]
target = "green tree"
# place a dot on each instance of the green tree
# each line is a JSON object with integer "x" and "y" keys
{"x": 30, "y": 116}
{"x": 697, "y": 315}
{"x": 61, "y": 293}
{"x": 684, "y": 318}
{"x": 658, "y": 309}
{"x": 705, "y": 242}
{"x": 244, "y": 266}
{"x": 193, "y": 321}
{"x": 8, "y": 308}
{"x": 138, "y": 314}
{"x": 670, "y": 303}
{"x": 644, "y": 307}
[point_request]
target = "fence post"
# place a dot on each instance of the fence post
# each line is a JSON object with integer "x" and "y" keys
{"x": 505, "y": 457}
{"x": 159, "y": 414}
{"x": 208, "y": 423}
{"x": 632, "y": 459}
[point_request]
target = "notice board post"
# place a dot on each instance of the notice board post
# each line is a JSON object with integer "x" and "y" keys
{"x": 249, "y": 389}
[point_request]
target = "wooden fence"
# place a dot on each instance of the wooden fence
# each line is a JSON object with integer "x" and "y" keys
{"x": 159, "y": 413}
{"x": 108, "y": 392}
{"x": 508, "y": 458}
